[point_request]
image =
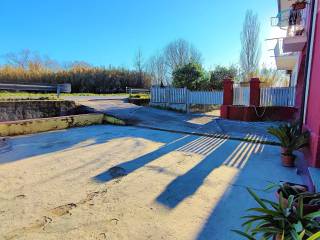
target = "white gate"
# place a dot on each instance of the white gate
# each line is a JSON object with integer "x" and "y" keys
{"x": 241, "y": 96}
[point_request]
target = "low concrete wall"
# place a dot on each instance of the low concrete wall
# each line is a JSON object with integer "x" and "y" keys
{"x": 177, "y": 107}
{"x": 31, "y": 109}
{"x": 22, "y": 127}
{"x": 47, "y": 124}
{"x": 251, "y": 114}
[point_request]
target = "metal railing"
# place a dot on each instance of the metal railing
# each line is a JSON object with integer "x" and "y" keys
{"x": 171, "y": 95}
{"x": 136, "y": 90}
{"x": 277, "y": 96}
{"x": 59, "y": 88}
{"x": 290, "y": 17}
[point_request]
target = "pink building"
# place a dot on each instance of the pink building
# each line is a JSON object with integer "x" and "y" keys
{"x": 299, "y": 54}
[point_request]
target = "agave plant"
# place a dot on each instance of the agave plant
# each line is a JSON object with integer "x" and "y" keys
{"x": 290, "y": 136}
{"x": 279, "y": 221}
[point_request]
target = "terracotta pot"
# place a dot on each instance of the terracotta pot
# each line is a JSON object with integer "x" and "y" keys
{"x": 306, "y": 207}
{"x": 277, "y": 237}
{"x": 284, "y": 150}
{"x": 287, "y": 160}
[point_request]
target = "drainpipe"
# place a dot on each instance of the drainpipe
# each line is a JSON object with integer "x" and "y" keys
{"x": 307, "y": 72}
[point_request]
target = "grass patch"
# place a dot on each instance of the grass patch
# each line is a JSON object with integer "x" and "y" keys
{"x": 140, "y": 96}
{"x": 12, "y": 96}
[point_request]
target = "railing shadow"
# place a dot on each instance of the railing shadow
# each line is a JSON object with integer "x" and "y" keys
{"x": 132, "y": 165}
{"x": 187, "y": 184}
{"x": 257, "y": 165}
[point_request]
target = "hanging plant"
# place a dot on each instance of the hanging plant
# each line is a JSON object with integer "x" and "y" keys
{"x": 299, "y": 5}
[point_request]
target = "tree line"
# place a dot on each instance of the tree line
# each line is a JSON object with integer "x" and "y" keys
{"x": 29, "y": 67}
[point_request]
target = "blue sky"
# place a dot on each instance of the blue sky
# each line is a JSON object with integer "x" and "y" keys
{"x": 104, "y": 32}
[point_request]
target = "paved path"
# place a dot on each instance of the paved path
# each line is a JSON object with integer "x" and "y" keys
{"x": 120, "y": 182}
{"x": 181, "y": 122}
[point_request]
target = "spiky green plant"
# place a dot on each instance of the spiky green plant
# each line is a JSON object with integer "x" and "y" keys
{"x": 289, "y": 189}
{"x": 279, "y": 219}
{"x": 290, "y": 136}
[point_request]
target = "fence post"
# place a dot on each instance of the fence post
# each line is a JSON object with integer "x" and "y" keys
{"x": 187, "y": 100}
{"x": 255, "y": 92}
{"x": 58, "y": 91}
{"x": 227, "y": 97}
{"x": 167, "y": 96}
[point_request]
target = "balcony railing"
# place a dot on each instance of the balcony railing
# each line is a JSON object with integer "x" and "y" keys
{"x": 281, "y": 20}
{"x": 284, "y": 60}
{"x": 289, "y": 18}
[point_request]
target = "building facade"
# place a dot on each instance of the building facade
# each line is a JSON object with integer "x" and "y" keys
{"x": 299, "y": 54}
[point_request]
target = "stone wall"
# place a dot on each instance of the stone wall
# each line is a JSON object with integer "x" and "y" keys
{"x": 30, "y": 109}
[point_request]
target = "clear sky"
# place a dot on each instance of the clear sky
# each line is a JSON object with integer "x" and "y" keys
{"x": 103, "y": 32}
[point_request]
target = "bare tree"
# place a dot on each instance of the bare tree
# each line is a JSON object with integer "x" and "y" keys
{"x": 32, "y": 61}
{"x": 139, "y": 64}
{"x": 139, "y": 61}
{"x": 251, "y": 47}
{"x": 21, "y": 59}
{"x": 179, "y": 53}
{"x": 158, "y": 69}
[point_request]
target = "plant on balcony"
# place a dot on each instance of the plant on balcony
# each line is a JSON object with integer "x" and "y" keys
{"x": 291, "y": 138}
{"x": 276, "y": 220}
{"x": 311, "y": 200}
{"x": 299, "y": 5}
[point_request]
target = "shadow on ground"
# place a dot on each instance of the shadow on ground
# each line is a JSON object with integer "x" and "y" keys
{"x": 23, "y": 147}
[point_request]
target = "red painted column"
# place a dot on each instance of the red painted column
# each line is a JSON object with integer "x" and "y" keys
{"x": 255, "y": 92}
{"x": 227, "y": 97}
{"x": 227, "y": 92}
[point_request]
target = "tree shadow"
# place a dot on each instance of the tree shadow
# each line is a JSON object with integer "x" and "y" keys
{"x": 132, "y": 165}
{"x": 23, "y": 147}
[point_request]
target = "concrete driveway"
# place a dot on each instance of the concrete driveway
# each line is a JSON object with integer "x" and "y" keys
{"x": 112, "y": 182}
{"x": 181, "y": 122}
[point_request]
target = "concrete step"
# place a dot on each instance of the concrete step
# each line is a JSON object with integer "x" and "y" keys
{"x": 315, "y": 178}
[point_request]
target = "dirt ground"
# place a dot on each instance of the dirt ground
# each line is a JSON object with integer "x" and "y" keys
{"x": 108, "y": 182}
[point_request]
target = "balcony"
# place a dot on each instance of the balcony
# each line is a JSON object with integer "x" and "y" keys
{"x": 294, "y": 43}
{"x": 284, "y": 61}
{"x": 289, "y": 16}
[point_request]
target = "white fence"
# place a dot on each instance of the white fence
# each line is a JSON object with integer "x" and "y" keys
{"x": 281, "y": 96}
{"x": 241, "y": 96}
{"x": 206, "y": 97}
{"x": 170, "y": 95}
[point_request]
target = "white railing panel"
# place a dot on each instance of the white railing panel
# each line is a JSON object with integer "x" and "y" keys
{"x": 281, "y": 96}
{"x": 184, "y": 96}
{"x": 177, "y": 95}
{"x": 158, "y": 95}
{"x": 241, "y": 96}
{"x": 206, "y": 97}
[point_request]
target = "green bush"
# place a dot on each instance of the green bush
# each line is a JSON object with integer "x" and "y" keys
{"x": 191, "y": 76}
{"x": 219, "y": 74}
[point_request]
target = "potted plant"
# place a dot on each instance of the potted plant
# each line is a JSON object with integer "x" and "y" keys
{"x": 275, "y": 220}
{"x": 291, "y": 138}
{"x": 311, "y": 201}
{"x": 299, "y": 5}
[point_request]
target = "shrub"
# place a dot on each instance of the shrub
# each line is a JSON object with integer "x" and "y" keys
{"x": 190, "y": 75}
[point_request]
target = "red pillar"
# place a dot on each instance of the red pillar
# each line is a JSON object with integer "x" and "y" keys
{"x": 255, "y": 92}
{"x": 227, "y": 92}
{"x": 227, "y": 97}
